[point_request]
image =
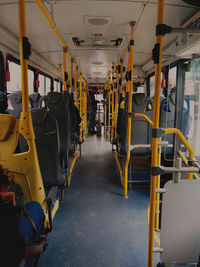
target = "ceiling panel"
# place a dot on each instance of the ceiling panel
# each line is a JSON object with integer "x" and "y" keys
{"x": 70, "y": 18}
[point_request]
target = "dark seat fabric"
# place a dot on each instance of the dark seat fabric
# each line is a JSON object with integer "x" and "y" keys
{"x": 140, "y": 128}
{"x": 3, "y": 103}
{"x": 74, "y": 121}
{"x": 57, "y": 107}
{"x": 48, "y": 147}
{"x": 35, "y": 100}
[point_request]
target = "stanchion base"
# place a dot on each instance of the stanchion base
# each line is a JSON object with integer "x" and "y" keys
{"x": 126, "y": 197}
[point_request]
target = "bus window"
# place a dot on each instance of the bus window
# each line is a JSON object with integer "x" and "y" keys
{"x": 152, "y": 86}
{"x": 15, "y": 78}
{"x": 41, "y": 84}
{"x": 55, "y": 86}
{"x": 30, "y": 81}
{"x": 191, "y": 107}
{"x": 48, "y": 85}
{"x": 172, "y": 79}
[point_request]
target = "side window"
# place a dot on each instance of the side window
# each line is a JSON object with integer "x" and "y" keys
{"x": 55, "y": 86}
{"x": 48, "y": 85}
{"x": 41, "y": 84}
{"x": 30, "y": 81}
{"x": 191, "y": 106}
{"x": 172, "y": 79}
{"x": 15, "y": 78}
{"x": 152, "y": 85}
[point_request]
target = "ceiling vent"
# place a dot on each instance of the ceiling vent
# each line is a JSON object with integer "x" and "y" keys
{"x": 97, "y": 21}
{"x": 97, "y": 42}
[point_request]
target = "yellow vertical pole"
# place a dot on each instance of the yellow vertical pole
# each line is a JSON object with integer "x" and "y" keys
{"x": 71, "y": 75}
{"x": 109, "y": 82}
{"x": 130, "y": 92}
{"x": 121, "y": 77}
{"x": 116, "y": 100}
{"x": 80, "y": 106}
{"x": 156, "y": 117}
{"x": 84, "y": 107}
{"x": 86, "y": 123}
{"x": 76, "y": 86}
{"x": 64, "y": 69}
{"x": 113, "y": 103}
{"x": 26, "y": 127}
{"x": 24, "y": 62}
{"x": 105, "y": 113}
{"x": 157, "y": 197}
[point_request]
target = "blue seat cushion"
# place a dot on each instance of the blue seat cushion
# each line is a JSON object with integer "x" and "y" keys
{"x": 35, "y": 211}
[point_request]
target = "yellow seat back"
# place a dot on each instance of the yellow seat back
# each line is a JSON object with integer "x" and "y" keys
{"x": 23, "y": 167}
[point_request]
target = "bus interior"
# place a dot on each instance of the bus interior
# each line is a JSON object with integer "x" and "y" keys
{"x": 100, "y": 133}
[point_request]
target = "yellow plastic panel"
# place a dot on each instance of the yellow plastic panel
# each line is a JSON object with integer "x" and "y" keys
{"x": 23, "y": 166}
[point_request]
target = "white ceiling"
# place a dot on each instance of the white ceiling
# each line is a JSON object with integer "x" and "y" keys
{"x": 70, "y": 16}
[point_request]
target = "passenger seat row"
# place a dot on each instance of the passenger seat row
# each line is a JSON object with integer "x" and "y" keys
{"x": 141, "y": 131}
{"x": 55, "y": 122}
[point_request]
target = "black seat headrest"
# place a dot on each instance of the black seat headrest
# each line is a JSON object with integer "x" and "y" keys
{"x": 139, "y": 98}
{"x": 54, "y": 97}
{"x": 35, "y": 97}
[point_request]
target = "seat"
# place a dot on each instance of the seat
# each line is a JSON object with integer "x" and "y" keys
{"x": 15, "y": 109}
{"x": 35, "y": 100}
{"x": 48, "y": 148}
{"x": 140, "y": 130}
{"x": 57, "y": 107}
{"x": 3, "y": 103}
{"x": 23, "y": 167}
{"x": 74, "y": 120}
{"x": 15, "y": 100}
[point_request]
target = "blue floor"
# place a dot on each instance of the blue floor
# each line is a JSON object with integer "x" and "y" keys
{"x": 95, "y": 225}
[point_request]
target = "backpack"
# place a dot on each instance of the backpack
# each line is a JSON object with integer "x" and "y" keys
{"x": 12, "y": 242}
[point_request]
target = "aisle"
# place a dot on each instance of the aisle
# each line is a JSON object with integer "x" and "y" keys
{"x": 95, "y": 225}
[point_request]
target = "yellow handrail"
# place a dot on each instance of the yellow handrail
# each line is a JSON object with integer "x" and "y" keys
{"x": 80, "y": 110}
{"x": 156, "y": 118}
{"x": 76, "y": 86}
{"x": 116, "y": 101}
{"x": 182, "y": 139}
{"x": 71, "y": 75}
{"x": 119, "y": 168}
{"x": 155, "y": 236}
{"x": 52, "y": 24}
{"x": 145, "y": 117}
{"x": 109, "y": 105}
{"x": 130, "y": 91}
{"x": 113, "y": 103}
{"x": 71, "y": 167}
{"x": 105, "y": 113}
{"x": 186, "y": 162}
{"x": 64, "y": 69}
